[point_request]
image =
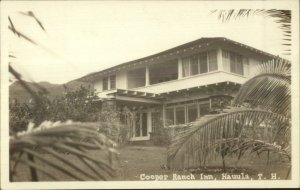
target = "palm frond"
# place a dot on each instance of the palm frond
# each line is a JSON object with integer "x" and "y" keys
{"x": 22, "y": 82}
{"x": 22, "y": 35}
{"x": 270, "y": 89}
{"x": 280, "y": 16}
{"x": 57, "y": 139}
{"x": 206, "y": 138}
{"x": 32, "y": 15}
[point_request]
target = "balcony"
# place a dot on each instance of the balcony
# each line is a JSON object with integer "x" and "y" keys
{"x": 214, "y": 77}
{"x": 206, "y": 68}
{"x": 193, "y": 81}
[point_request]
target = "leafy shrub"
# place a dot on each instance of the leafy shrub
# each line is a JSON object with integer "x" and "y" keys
{"x": 81, "y": 105}
{"x": 160, "y": 136}
{"x": 19, "y": 116}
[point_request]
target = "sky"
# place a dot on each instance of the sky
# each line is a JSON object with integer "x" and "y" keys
{"x": 85, "y": 37}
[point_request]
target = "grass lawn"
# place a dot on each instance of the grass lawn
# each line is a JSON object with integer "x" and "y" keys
{"x": 150, "y": 160}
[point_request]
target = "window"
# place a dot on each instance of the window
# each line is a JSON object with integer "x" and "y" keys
{"x": 203, "y": 63}
{"x": 194, "y": 65}
{"x": 203, "y": 109}
{"x": 112, "y": 81}
{"x": 169, "y": 116}
{"x": 234, "y": 62}
{"x": 199, "y": 63}
{"x": 226, "y": 60}
{"x": 192, "y": 113}
{"x": 180, "y": 115}
{"x": 136, "y": 78}
{"x": 246, "y": 66}
{"x": 105, "y": 83}
{"x": 141, "y": 126}
{"x": 155, "y": 121}
{"x": 109, "y": 83}
{"x": 212, "y": 60}
{"x": 185, "y": 113}
{"x": 239, "y": 65}
{"x": 186, "y": 67}
{"x": 163, "y": 72}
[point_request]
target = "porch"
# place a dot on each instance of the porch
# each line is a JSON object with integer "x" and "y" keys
{"x": 149, "y": 111}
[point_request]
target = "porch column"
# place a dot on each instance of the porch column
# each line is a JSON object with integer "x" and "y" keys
{"x": 147, "y": 76}
{"x": 149, "y": 123}
{"x": 179, "y": 68}
{"x": 210, "y": 103}
{"x": 219, "y": 59}
{"x": 164, "y": 115}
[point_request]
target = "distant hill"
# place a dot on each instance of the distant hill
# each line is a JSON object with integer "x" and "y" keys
{"x": 16, "y": 91}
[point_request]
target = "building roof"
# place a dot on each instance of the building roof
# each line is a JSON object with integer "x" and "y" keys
{"x": 202, "y": 43}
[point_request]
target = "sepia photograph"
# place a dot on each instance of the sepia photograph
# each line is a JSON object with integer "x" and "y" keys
{"x": 149, "y": 94}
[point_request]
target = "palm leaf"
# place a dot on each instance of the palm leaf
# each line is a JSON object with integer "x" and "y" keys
{"x": 52, "y": 163}
{"x": 23, "y": 83}
{"x": 38, "y": 168}
{"x": 270, "y": 89}
{"x": 282, "y": 17}
{"x": 204, "y": 139}
{"x": 56, "y": 139}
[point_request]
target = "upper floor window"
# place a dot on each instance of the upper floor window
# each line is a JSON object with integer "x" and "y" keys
{"x": 112, "y": 82}
{"x": 136, "y": 78}
{"x": 163, "y": 72}
{"x": 199, "y": 63}
{"x": 234, "y": 62}
{"x": 105, "y": 83}
{"x": 109, "y": 83}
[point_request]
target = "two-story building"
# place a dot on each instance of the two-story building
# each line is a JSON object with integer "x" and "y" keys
{"x": 180, "y": 84}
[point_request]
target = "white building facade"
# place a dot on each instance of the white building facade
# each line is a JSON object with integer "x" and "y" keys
{"x": 178, "y": 85}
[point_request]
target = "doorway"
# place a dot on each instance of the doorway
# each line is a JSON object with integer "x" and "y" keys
{"x": 141, "y": 126}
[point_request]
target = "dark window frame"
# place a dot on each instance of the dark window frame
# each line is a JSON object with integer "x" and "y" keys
{"x": 109, "y": 83}
{"x": 173, "y": 113}
{"x": 203, "y": 65}
{"x": 236, "y": 63}
{"x": 113, "y": 82}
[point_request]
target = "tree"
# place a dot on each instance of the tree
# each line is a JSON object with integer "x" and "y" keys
{"x": 263, "y": 103}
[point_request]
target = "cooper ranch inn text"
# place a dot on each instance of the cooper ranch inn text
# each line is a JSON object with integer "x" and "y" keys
{"x": 201, "y": 176}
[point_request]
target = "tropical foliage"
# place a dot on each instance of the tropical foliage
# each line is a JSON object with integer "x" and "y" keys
{"x": 49, "y": 142}
{"x": 81, "y": 105}
{"x": 76, "y": 105}
{"x": 270, "y": 89}
{"x": 258, "y": 121}
{"x": 160, "y": 135}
